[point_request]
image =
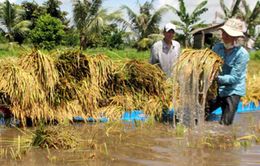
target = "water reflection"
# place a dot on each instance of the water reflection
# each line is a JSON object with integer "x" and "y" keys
{"x": 144, "y": 146}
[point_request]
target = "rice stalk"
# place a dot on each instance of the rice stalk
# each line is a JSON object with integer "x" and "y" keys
{"x": 193, "y": 75}
{"x": 43, "y": 67}
{"x": 252, "y": 90}
{"x": 22, "y": 88}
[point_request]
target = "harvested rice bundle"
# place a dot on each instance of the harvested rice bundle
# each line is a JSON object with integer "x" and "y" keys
{"x": 144, "y": 76}
{"x": 252, "y": 90}
{"x": 193, "y": 76}
{"x": 37, "y": 113}
{"x": 21, "y": 86}
{"x": 152, "y": 106}
{"x": 68, "y": 110}
{"x": 100, "y": 69}
{"x": 94, "y": 90}
{"x": 23, "y": 89}
{"x": 43, "y": 67}
{"x": 116, "y": 82}
{"x": 57, "y": 137}
{"x": 88, "y": 95}
{"x": 132, "y": 83}
{"x": 73, "y": 65}
{"x": 125, "y": 101}
{"x": 113, "y": 112}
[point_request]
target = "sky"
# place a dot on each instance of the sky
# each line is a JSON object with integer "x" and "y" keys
{"x": 111, "y": 5}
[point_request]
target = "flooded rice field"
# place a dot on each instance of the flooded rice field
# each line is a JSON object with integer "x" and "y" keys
{"x": 149, "y": 143}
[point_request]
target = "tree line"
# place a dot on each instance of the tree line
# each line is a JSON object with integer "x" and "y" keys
{"x": 47, "y": 26}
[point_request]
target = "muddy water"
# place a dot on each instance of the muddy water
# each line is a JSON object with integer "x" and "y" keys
{"x": 125, "y": 144}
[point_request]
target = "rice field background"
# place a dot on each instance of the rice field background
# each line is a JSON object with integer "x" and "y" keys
{"x": 64, "y": 83}
{"x": 113, "y": 142}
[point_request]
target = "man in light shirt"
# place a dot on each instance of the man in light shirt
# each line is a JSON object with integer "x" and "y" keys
{"x": 165, "y": 52}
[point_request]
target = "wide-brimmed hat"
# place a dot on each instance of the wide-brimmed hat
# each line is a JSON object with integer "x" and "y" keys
{"x": 169, "y": 26}
{"x": 234, "y": 27}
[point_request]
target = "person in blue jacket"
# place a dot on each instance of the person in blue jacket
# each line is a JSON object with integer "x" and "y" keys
{"x": 232, "y": 78}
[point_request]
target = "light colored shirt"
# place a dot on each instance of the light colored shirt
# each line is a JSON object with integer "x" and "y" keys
{"x": 232, "y": 78}
{"x": 164, "y": 55}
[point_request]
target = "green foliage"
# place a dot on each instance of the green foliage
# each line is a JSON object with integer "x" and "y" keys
{"x": 113, "y": 37}
{"x": 189, "y": 21}
{"x": 127, "y": 53}
{"x": 146, "y": 21}
{"x": 144, "y": 44}
{"x": 115, "y": 40}
{"x": 47, "y": 33}
{"x": 2, "y": 38}
{"x": 71, "y": 38}
{"x": 32, "y": 11}
{"x": 255, "y": 55}
{"x": 257, "y": 42}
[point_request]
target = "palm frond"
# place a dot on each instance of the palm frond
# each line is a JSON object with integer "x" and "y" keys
{"x": 173, "y": 9}
{"x": 235, "y": 7}
{"x": 179, "y": 25}
{"x": 200, "y": 6}
{"x": 246, "y": 7}
{"x": 255, "y": 12}
{"x": 200, "y": 9}
{"x": 182, "y": 8}
{"x": 131, "y": 14}
{"x": 224, "y": 8}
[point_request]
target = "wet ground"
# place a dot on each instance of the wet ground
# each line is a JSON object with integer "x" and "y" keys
{"x": 148, "y": 144}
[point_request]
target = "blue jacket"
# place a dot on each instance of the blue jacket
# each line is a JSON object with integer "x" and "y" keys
{"x": 232, "y": 78}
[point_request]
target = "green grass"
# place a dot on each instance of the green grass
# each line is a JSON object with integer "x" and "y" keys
{"x": 255, "y": 55}
{"x": 7, "y": 50}
{"x": 128, "y": 53}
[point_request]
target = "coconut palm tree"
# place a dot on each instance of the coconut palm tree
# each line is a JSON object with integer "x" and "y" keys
{"x": 146, "y": 21}
{"x": 12, "y": 25}
{"x": 53, "y": 8}
{"x": 90, "y": 19}
{"x": 188, "y": 22}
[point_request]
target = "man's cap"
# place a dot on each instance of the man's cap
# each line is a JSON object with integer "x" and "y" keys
{"x": 169, "y": 26}
{"x": 234, "y": 27}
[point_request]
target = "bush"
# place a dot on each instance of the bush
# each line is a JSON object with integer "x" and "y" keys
{"x": 47, "y": 33}
{"x": 2, "y": 38}
{"x": 71, "y": 38}
{"x": 115, "y": 40}
{"x": 257, "y": 42}
{"x": 255, "y": 55}
{"x": 144, "y": 44}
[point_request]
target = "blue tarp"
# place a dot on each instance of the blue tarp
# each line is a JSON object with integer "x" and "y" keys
{"x": 138, "y": 115}
{"x": 251, "y": 107}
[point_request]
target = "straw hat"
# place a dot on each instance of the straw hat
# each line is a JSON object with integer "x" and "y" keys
{"x": 234, "y": 27}
{"x": 169, "y": 26}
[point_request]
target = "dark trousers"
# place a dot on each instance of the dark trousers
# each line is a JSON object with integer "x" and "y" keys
{"x": 228, "y": 105}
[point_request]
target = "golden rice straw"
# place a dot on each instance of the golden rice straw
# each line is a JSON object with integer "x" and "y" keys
{"x": 43, "y": 67}
{"x": 112, "y": 112}
{"x": 20, "y": 85}
{"x": 37, "y": 112}
{"x": 68, "y": 110}
{"x": 193, "y": 75}
{"x": 252, "y": 90}
{"x": 88, "y": 95}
